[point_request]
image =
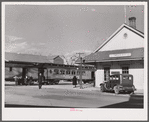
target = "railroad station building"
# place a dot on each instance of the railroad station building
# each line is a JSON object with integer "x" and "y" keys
{"x": 122, "y": 52}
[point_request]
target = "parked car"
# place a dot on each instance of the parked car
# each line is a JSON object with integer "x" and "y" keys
{"x": 119, "y": 83}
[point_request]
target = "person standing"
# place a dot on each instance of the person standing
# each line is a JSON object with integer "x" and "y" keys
{"x": 26, "y": 80}
{"x": 30, "y": 80}
{"x": 16, "y": 80}
{"x": 74, "y": 81}
{"x": 40, "y": 81}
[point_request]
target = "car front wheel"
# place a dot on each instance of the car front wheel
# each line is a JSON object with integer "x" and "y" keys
{"x": 102, "y": 88}
{"x": 116, "y": 89}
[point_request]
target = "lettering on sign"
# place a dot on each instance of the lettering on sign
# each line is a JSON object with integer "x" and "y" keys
{"x": 120, "y": 55}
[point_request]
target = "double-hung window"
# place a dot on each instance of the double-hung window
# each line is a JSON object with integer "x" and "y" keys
{"x": 125, "y": 70}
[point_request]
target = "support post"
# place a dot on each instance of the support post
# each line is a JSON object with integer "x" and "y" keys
{"x": 80, "y": 68}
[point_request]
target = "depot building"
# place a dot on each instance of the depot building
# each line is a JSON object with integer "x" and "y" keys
{"x": 122, "y": 52}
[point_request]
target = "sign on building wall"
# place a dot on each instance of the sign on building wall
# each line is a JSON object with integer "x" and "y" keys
{"x": 120, "y": 55}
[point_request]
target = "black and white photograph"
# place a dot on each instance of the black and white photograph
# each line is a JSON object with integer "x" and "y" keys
{"x": 74, "y": 61}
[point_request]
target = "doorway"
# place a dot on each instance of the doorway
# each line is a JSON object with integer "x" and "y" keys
{"x": 106, "y": 74}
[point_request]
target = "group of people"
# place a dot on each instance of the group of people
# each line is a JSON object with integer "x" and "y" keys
{"x": 19, "y": 80}
{"x": 16, "y": 79}
{"x": 28, "y": 80}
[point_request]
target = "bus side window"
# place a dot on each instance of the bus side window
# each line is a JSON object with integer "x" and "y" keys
{"x": 50, "y": 71}
{"x": 56, "y": 71}
{"x": 84, "y": 73}
{"x": 63, "y": 72}
{"x": 67, "y": 72}
{"x": 72, "y": 72}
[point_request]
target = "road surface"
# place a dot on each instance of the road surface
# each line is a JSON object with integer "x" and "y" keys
{"x": 31, "y": 96}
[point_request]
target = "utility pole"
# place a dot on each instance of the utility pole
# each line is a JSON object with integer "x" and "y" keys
{"x": 80, "y": 69}
{"x": 125, "y": 12}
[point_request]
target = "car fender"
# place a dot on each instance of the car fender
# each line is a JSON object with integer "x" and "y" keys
{"x": 101, "y": 84}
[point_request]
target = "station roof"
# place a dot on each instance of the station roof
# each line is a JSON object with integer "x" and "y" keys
{"x": 26, "y": 58}
{"x": 29, "y": 60}
{"x": 116, "y": 55}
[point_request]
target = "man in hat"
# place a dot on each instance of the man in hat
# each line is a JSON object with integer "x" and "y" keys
{"x": 74, "y": 81}
{"x": 40, "y": 80}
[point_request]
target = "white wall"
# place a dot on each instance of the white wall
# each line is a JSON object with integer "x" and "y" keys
{"x": 119, "y": 42}
{"x": 99, "y": 77}
{"x": 138, "y": 75}
{"x": 137, "y": 70}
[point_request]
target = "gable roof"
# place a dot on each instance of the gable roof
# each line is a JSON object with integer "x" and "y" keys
{"x": 117, "y": 31}
{"x": 25, "y": 58}
{"x": 116, "y": 55}
{"x": 52, "y": 57}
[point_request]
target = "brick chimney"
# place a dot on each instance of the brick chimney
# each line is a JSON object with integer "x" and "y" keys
{"x": 132, "y": 22}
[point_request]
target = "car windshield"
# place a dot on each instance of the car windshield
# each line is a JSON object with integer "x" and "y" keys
{"x": 126, "y": 78}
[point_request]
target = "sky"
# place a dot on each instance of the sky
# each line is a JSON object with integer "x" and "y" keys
{"x": 64, "y": 29}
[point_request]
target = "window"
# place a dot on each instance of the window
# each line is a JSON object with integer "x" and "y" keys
{"x": 50, "y": 71}
{"x": 130, "y": 78}
{"x": 78, "y": 72}
{"x": 125, "y": 77}
{"x": 106, "y": 74}
{"x": 56, "y": 71}
{"x": 68, "y": 72}
{"x": 10, "y": 69}
{"x": 83, "y": 72}
{"x": 125, "y": 70}
{"x": 62, "y": 71}
{"x": 73, "y": 72}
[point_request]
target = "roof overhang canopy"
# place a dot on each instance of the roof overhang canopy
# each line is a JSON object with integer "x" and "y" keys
{"x": 115, "y": 55}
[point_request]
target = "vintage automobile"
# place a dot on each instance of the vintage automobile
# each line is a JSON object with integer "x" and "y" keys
{"x": 118, "y": 83}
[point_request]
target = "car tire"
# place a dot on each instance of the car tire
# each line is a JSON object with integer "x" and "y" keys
{"x": 102, "y": 89}
{"x": 116, "y": 90}
{"x": 131, "y": 92}
{"x": 133, "y": 87}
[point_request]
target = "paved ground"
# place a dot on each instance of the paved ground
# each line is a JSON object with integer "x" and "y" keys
{"x": 64, "y": 95}
{"x": 68, "y": 85}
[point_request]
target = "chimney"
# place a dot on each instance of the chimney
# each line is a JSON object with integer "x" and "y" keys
{"x": 132, "y": 22}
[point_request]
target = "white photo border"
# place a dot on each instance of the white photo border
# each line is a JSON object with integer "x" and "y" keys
{"x": 86, "y": 114}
